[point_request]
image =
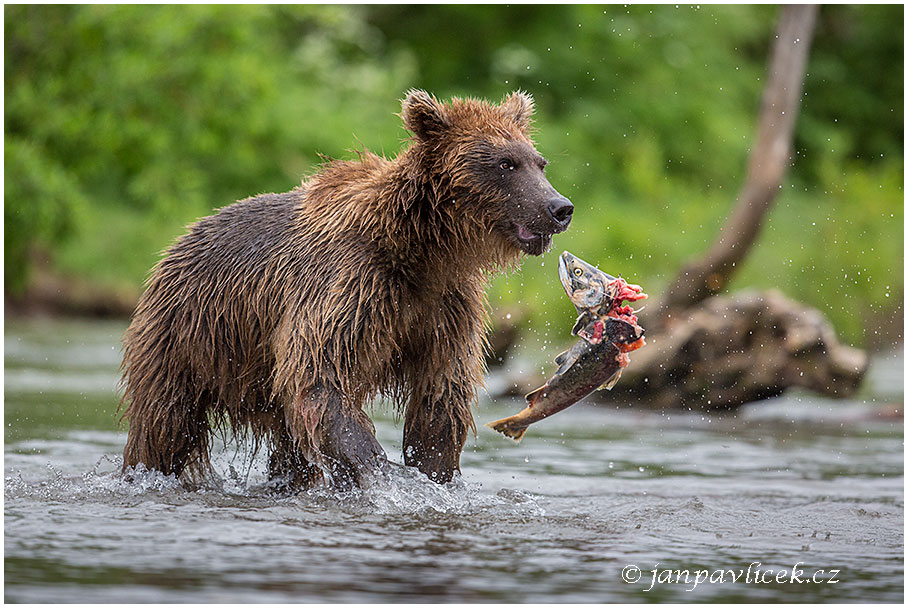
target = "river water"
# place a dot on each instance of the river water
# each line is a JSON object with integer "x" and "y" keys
{"x": 797, "y": 499}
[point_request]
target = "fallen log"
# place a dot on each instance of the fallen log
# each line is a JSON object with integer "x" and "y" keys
{"x": 730, "y": 350}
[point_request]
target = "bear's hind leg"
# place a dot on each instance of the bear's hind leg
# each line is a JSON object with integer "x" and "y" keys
{"x": 171, "y": 437}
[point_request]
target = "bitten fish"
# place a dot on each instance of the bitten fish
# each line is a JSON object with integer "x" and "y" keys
{"x": 608, "y": 331}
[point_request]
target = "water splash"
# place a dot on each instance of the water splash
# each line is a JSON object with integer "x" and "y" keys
{"x": 104, "y": 479}
{"x": 399, "y": 490}
{"x": 394, "y": 490}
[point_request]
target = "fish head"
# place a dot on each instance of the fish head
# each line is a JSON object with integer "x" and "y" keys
{"x": 585, "y": 285}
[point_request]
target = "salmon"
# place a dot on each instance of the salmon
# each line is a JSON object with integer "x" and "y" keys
{"x": 608, "y": 330}
{"x": 582, "y": 369}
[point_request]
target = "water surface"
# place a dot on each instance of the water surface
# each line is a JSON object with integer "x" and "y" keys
{"x": 795, "y": 482}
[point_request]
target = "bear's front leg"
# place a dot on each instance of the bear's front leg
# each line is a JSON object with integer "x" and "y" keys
{"x": 445, "y": 365}
{"x": 349, "y": 444}
{"x": 339, "y": 438}
{"x": 435, "y": 430}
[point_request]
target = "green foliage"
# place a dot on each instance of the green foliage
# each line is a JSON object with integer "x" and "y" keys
{"x": 48, "y": 199}
{"x": 157, "y": 115}
{"x": 123, "y": 123}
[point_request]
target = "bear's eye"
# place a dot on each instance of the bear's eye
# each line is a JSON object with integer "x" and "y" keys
{"x": 506, "y": 165}
{"x": 578, "y": 271}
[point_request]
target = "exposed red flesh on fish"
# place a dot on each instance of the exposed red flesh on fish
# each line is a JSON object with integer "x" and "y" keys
{"x": 624, "y": 291}
{"x": 632, "y": 346}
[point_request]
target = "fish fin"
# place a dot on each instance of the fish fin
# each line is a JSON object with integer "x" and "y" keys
{"x": 508, "y": 428}
{"x": 611, "y": 382}
{"x": 583, "y": 320}
{"x": 559, "y": 360}
{"x": 531, "y": 397}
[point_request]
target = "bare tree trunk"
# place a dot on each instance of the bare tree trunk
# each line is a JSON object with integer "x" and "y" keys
{"x": 769, "y": 158}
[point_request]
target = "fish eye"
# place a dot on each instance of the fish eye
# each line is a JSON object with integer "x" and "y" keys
{"x": 578, "y": 272}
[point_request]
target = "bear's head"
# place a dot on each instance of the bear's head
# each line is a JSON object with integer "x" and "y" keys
{"x": 481, "y": 156}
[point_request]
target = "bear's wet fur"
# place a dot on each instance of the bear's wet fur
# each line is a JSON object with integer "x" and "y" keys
{"x": 283, "y": 315}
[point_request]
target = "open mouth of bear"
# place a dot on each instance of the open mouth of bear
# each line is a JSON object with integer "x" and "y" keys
{"x": 531, "y": 242}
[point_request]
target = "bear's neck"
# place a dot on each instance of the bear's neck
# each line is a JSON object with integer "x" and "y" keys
{"x": 435, "y": 225}
{"x": 410, "y": 211}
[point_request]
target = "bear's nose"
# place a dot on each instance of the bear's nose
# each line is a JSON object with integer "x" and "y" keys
{"x": 561, "y": 210}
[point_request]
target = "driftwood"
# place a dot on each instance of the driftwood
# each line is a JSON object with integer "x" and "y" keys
{"x": 730, "y": 350}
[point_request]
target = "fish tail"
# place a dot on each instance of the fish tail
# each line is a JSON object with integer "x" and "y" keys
{"x": 515, "y": 426}
{"x": 510, "y": 427}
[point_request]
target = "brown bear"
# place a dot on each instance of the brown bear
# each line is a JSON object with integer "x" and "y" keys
{"x": 282, "y": 315}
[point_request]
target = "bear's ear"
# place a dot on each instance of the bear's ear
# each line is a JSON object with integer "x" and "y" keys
{"x": 519, "y": 106}
{"x": 423, "y": 115}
